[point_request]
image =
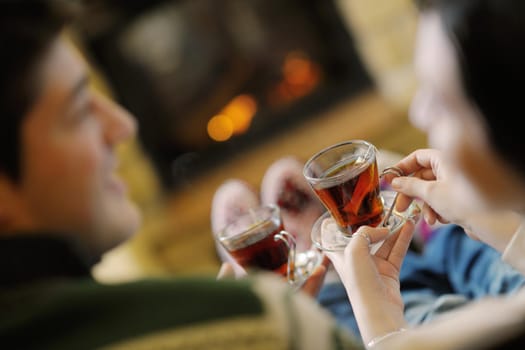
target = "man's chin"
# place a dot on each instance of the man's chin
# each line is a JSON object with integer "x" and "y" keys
{"x": 128, "y": 224}
{"x": 123, "y": 223}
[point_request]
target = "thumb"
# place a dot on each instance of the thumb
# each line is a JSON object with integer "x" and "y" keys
{"x": 313, "y": 285}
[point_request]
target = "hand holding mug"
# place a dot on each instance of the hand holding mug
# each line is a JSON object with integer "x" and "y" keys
{"x": 258, "y": 240}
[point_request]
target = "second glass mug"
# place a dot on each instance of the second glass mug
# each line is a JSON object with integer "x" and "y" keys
{"x": 257, "y": 240}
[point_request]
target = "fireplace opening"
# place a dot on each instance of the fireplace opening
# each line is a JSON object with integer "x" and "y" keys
{"x": 208, "y": 79}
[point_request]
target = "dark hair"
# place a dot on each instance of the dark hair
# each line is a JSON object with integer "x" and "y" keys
{"x": 27, "y": 29}
{"x": 489, "y": 36}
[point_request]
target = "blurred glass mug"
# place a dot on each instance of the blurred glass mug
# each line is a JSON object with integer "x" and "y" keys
{"x": 257, "y": 240}
{"x": 345, "y": 178}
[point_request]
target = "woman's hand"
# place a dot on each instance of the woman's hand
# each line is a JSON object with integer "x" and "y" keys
{"x": 448, "y": 198}
{"x": 433, "y": 181}
{"x": 372, "y": 281}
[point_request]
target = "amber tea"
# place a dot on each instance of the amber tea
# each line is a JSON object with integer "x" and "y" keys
{"x": 256, "y": 240}
{"x": 353, "y": 202}
{"x": 266, "y": 253}
{"x": 346, "y": 180}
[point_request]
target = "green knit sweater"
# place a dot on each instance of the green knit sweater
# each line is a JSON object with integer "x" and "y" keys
{"x": 48, "y": 300}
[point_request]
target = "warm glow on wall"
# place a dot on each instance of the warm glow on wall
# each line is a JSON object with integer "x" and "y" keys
{"x": 297, "y": 69}
{"x": 235, "y": 118}
{"x": 300, "y": 76}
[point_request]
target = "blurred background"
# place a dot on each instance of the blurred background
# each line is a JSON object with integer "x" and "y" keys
{"x": 222, "y": 89}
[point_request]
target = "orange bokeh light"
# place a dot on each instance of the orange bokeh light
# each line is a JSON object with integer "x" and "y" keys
{"x": 241, "y": 111}
{"x": 220, "y": 127}
{"x": 235, "y": 118}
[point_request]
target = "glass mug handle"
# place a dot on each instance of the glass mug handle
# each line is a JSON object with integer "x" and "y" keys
{"x": 397, "y": 172}
{"x": 289, "y": 240}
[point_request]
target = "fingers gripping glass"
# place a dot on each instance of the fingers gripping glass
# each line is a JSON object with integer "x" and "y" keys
{"x": 345, "y": 178}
